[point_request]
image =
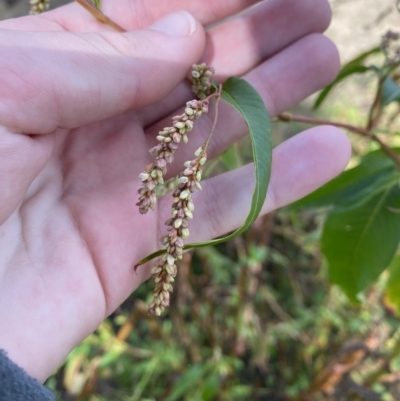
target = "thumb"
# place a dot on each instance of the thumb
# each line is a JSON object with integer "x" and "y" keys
{"x": 55, "y": 80}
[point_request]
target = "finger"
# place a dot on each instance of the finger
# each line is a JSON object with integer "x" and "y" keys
{"x": 89, "y": 77}
{"x": 299, "y": 166}
{"x": 283, "y": 81}
{"x": 22, "y": 158}
{"x": 132, "y": 14}
{"x": 240, "y": 44}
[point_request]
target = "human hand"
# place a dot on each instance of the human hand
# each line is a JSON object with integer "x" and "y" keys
{"x": 81, "y": 105}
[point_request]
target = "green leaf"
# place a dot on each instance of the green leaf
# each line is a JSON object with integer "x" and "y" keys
{"x": 360, "y": 243}
{"x": 214, "y": 86}
{"x": 390, "y": 92}
{"x": 355, "y": 186}
{"x": 210, "y": 388}
{"x": 344, "y": 73}
{"x": 97, "y": 4}
{"x": 188, "y": 381}
{"x": 352, "y": 67}
{"x": 362, "y": 57}
{"x": 231, "y": 158}
{"x": 392, "y": 290}
{"x": 248, "y": 102}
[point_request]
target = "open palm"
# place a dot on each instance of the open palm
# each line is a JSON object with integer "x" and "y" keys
{"x": 81, "y": 105}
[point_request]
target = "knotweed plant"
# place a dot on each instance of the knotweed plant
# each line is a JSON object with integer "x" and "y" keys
{"x": 165, "y": 269}
{"x": 169, "y": 139}
{"x": 249, "y": 104}
{"x": 202, "y": 84}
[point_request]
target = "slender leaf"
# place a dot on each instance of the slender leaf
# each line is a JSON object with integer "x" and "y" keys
{"x": 360, "y": 243}
{"x": 352, "y": 67}
{"x": 231, "y": 158}
{"x": 392, "y": 290}
{"x": 362, "y": 57}
{"x": 210, "y": 388}
{"x": 248, "y": 102}
{"x": 344, "y": 73}
{"x": 188, "y": 381}
{"x": 379, "y": 183}
{"x": 390, "y": 92}
{"x": 355, "y": 186}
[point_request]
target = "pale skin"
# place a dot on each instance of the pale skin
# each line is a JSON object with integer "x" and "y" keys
{"x": 80, "y": 105}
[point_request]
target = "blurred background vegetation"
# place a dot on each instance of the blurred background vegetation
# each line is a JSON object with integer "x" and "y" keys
{"x": 256, "y": 318}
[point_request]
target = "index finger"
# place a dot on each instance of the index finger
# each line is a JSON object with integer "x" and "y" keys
{"x": 135, "y": 14}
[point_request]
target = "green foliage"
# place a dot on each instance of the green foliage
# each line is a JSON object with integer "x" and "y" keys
{"x": 231, "y": 158}
{"x": 249, "y": 104}
{"x": 249, "y": 320}
{"x": 390, "y": 91}
{"x": 344, "y": 73}
{"x": 97, "y": 4}
{"x": 355, "y": 186}
{"x": 354, "y": 66}
{"x": 358, "y": 60}
{"x": 255, "y": 318}
{"x": 361, "y": 232}
{"x": 246, "y": 100}
{"x": 359, "y": 243}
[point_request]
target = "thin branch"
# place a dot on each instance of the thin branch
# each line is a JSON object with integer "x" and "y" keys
{"x": 100, "y": 16}
{"x": 218, "y": 98}
{"x": 372, "y": 116}
{"x": 286, "y": 117}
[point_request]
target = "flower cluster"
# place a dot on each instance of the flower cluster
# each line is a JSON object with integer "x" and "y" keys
{"x": 187, "y": 182}
{"x": 39, "y": 6}
{"x": 391, "y": 47}
{"x": 201, "y": 79}
{"x": 164, "y": 271}
{"x": 169, "y": 139}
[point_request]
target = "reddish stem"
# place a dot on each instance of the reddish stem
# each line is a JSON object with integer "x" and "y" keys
{"x": 358, "y": 130}
{"x": 100, "y": 16}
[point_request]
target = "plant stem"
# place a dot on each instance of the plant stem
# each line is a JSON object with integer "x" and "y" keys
{"x": 215, "y": 94}
{"x": 286, "y": 117}
{"x": 319, "y": 121}
{"x": 100, "y": 16}
{"x": 372, "y": 116}
{"x": 218, "y": 98}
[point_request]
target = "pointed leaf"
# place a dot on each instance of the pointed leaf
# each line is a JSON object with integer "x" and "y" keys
{"x": 248, "y": 102}
{"x": 352, "y": 67}
{"x": 231, "y": 158}
{"x": 362, "y": 57}
{"x": 355, "y": 186}
{"x": 187, "y": 381}
{"x": 360, "y": 243}
{"x": 344, "y": 73}
{"x": 390, "y": 92}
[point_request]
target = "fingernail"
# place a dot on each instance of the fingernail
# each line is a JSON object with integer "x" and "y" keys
{"x": 177, "y": 24}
